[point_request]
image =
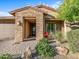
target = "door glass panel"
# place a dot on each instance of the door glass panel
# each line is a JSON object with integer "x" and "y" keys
{"x": 34, "y": 30}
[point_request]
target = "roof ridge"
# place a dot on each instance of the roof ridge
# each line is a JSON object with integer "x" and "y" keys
{"x": 34, "y": 7}
{"x": 46, "y": 6}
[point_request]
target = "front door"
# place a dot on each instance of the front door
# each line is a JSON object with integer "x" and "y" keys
{"x": 33, "y": 29}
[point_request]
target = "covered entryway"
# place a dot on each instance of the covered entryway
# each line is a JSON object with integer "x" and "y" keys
{"x": 29, "y": 27}
{"x": 31, "y": 23}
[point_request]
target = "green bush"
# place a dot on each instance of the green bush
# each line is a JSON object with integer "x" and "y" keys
{"x": 73, "y": 40}
{"x": 58, "y": 36}
{"x": 44, "y": 49}
{"x": 5, "y": 56}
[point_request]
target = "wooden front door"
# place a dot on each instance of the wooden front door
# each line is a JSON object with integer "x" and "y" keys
{"x": 32, "y": 29}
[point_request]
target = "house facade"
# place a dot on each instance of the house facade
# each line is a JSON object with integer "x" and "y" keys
{"x": 34, "y": 21}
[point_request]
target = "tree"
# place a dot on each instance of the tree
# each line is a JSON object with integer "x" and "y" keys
{"x": 69, "y": 10}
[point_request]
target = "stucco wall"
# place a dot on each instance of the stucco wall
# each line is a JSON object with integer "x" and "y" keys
{"x": 7, "y": 31}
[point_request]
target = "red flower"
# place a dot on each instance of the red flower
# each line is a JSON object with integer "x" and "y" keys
{"x": 45, "y": 34}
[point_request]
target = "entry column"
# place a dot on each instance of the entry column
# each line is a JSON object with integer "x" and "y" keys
{"x": 39, "y": 26}
{"x": 19, "y": 29}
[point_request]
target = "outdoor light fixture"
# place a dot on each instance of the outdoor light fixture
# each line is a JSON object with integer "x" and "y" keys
{"x": 19, "y": 23}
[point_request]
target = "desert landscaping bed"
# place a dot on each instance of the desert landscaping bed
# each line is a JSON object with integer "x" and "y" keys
{"x": 17, "y": 50}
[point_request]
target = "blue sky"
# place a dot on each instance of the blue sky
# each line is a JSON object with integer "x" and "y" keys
{"x": 8, "y": 5}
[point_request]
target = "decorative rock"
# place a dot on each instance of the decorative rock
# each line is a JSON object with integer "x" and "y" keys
{"x": 62, "y": 50}
{"x": 27, "y": 53}
{"x": 58, "y": 43}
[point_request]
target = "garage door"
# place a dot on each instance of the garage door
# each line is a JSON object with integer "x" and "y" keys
{"x": 7, "y": 30}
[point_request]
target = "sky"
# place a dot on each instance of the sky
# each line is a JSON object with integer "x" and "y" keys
{"x": 9, "y": 5}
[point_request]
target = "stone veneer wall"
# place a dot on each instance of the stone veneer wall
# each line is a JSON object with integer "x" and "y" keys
{"x": 26, "y": 13}
{"x": 19, "y": 29}
{"x": 39, "y": 26}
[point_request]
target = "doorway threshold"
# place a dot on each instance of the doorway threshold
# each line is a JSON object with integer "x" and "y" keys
{"x": 30, "y": 39}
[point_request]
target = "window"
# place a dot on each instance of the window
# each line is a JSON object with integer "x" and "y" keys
{"x": 51, "y": 27}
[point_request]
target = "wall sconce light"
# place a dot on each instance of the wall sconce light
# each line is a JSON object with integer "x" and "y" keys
{"x": 19, "y": 23}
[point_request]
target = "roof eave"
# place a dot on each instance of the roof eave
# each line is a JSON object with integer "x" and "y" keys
{"x": 18, "y": 10}
{"x": 6, "y": 17}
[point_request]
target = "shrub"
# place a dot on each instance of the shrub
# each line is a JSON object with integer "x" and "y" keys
{"x": 44, "y": 49}
{"x": 58, "y": 36}
{"x": 5, "y": 56}
{"x": 73, "y": 40}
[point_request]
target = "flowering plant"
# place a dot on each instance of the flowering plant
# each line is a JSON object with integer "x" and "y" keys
{"x": 46, "y": 34}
